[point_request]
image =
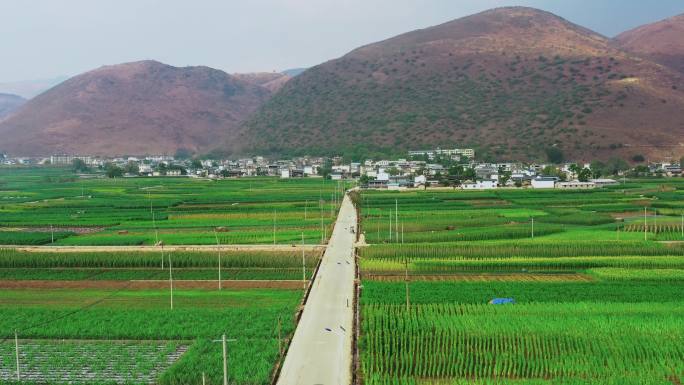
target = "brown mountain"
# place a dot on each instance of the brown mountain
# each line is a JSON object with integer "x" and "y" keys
{"x": 9, "y": 103}
{"x": 511, "y": 82}
{"x": 134, "y": 108}
{"x": 662, "y": 42}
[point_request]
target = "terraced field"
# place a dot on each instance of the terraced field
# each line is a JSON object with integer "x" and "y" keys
{"x": 586, "y": 299}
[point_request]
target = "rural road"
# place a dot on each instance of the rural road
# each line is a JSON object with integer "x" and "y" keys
{"x": 321, "y": 349}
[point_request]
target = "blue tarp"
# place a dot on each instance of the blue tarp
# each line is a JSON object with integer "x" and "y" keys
{"x": 501, "y": 301}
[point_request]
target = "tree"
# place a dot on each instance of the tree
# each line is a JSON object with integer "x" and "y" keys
{"x": 364, "y": 179}
{"x": 584, "y": 174}
{"x": 393, "y": 171}
{"x": 598, "y": 169}
{"x": 504, "y": 176}
{"x": 326, "y": 169}
{"x": 616, "y": 165}
{"x": 553, "y": 171}
{"x": 183, "y": 153}
{"x": 113, "y": 171}
{"x": 638, "y": 158}
{"x": 555, "y": 155}
{"x": 132, "y": 168}
{"x": 78, "y": 165}
{"x": 196, "y": 164}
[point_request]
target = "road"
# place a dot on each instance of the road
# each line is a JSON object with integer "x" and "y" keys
{"x": 321, "y": 349}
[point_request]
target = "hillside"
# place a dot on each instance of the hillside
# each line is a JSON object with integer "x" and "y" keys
{"x": 9, "y": 103}
{"x": 662, "y": 42}
{"x": 134, "y": 108}
{"x": 511, "y": 82}
{"x": 273, "y": 81}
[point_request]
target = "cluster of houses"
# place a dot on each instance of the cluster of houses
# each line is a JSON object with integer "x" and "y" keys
{"x": 429, "y": 168}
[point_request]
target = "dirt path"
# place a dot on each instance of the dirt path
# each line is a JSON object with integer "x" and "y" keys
{"x": 101, "y": 249}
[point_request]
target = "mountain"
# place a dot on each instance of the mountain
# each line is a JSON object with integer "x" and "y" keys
{"x": 134, "y": 108}
{"x": 513, "y": 83}
{"x": 30, "y": 88}
{"x": 662, "y": 42}
{"x": 272, "y": 81}
{"x": 9, "y": 103}
{"x": 292, "y": 72}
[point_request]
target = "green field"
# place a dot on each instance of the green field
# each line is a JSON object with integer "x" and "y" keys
{"x": 105, "y": 317}
{"x": 54, "y": 206}
{"x": 594, "y": 303}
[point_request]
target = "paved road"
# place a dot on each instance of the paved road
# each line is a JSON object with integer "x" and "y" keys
{"x": 320, "y": 353}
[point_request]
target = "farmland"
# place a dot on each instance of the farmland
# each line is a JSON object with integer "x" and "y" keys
{"x": 124, "y": 314}
{"x": 596, "y": 299}
{"x": 55, "y": 206}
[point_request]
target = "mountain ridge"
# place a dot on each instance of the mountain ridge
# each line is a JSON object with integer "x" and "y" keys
{"x": 511, "y": 82}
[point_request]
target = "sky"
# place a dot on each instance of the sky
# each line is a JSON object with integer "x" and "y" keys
{"x": 42, "y": 39}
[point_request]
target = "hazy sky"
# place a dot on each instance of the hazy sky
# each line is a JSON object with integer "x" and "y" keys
{"x": 48, "y": 38}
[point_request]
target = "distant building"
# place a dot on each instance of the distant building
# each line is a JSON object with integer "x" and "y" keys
{"x": 69, "y": 159}
{"x": 603, "y": 182}
{"x": 544, "y": 182}
{"x": 479, "y": 185}
{"x": 284, "y": 174}
{"x": 575, "y": 185}
{"x": 456, "y": 152}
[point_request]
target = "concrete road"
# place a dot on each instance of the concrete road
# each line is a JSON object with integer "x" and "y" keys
{"x": 321, "y": 349}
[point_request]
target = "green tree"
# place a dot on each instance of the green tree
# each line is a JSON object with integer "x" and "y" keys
{"x": 196, "y": 164}
{"x": 504, "y": 176}
{"x": 615, "y": 165}
{"x": 555, "y": 155}
{"x": 113, "y": 171}
{"x": 598, "y": 169}
{"x": 132, "y": 168}
{"x": 584, "y": 174}
{"x": 78, "y": 165}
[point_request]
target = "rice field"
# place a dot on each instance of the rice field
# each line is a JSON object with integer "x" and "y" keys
{"x": 593, "y": 301}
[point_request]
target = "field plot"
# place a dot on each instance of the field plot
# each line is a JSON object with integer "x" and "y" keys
{"x": 152, "y": 315}
{"x": 593, "y": 303}
{"x": 54, "y": 206}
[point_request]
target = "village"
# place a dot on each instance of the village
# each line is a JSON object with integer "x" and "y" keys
{"x": 437, "y": 168}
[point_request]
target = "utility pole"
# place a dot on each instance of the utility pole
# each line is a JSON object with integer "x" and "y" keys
{"x": 306, "y": 205}
{"x": 224, "y": 343}
{"x": 303, "y": 263}
{"x": 645, "y": 223}
{"x": 280, "y": 338}
{"x": 156, "y": 232}
{"x": 162, "y": 257}
{"x": 52, "y": 234}
{"x": 204, "y": 379}
{"x": 682, "y": 225}
{"x": 16, "y": 352}
{"x": 390, "y": 226}
{"x": 218, "y": 247}
{"x": 171, "y": 280}
{"x": 396, "y": 218}
{"x": 532, "y": 227}
{"x": 402, "y": 233}
{"x": 274, "y": 227}
{"x": 406, "y": 283}
{"x": 225, "y": 359}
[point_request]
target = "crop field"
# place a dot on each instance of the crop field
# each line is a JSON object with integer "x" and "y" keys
{"x": 595, "y": 298}
{"x": 55, "y": 206}
{"x": 153, "y": 316}
{"x": 123, "y": 318}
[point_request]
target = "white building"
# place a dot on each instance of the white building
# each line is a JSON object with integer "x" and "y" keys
{"x": 479, "y": 185}
{"x": 284, "y": 174}
{"x": 544, "y": 182}
{"x": 575, "y": 185}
